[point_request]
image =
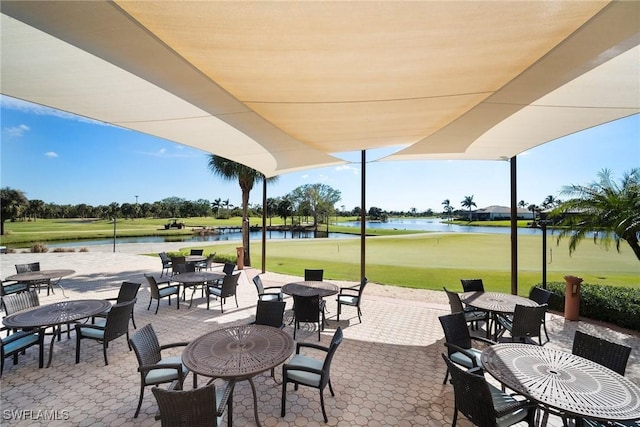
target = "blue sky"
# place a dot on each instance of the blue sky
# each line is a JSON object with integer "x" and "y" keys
{"x": 65, "y": 159}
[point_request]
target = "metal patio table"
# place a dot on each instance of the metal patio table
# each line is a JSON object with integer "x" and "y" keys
{"x": 38, "y": 276}
{"x": 55, "y": 315}
{"x": 561, "y": 381}
{"x": 195, "y": 279}
{"x": 238, "y": 353}
{"x": 495, "y": 303}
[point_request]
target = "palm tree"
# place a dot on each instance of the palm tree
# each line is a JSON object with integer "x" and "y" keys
{"x": 608, "y": 209}
{"x": 468, "y": 203}
{"x": 247, "y": 177}
{"x": 217, "y": 203}
{"x": 522, "y": 204}
{"x": 447, "y": 207}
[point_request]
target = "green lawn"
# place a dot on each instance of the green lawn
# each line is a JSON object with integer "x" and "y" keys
{"x": 393, "y": 257}
{"x": 431, "y": 261}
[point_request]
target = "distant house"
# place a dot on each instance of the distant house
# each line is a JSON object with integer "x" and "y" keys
{"x": 500, "y": 212}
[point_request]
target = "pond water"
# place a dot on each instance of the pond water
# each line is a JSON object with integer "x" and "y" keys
{"x": 420, "y": 224}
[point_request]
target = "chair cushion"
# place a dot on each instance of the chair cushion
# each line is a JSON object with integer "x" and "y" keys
{"x": 14, "y": 288}
{"x": 92, "y": 333}
{"x": 500, "y": 401}
{"x": 19, "y": 344}
{"x": 168, "y": 291}
{"x": 462, "y": 359}
{"x": 303, "y": 377}
{"x": 474, "y": 315}
{"x": 347, "y": 299}
{"x": 215, "y": 291}
{"x": 271, "y": 297}
{"x": 158, "y": 376}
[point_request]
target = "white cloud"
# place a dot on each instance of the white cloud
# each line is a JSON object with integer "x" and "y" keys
{"x": 41, "y": 110}
{"x": 51, "y": 154}
{"x": 17, "y": 131}
{"x": 348, "y": 168}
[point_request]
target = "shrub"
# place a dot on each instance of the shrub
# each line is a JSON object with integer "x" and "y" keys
{"x": 39, "y": 248}
{"x": 63, "y": 250}
{"x": 612, "y": 304}
{"x": 83, "y": 249}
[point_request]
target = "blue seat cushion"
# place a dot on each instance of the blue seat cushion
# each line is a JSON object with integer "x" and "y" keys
{"x": 168, "y": 291}
{"x": 462, "y": 359}
{"x": 303, "y": 377}
{"x": 92, "y": 333}
{"x": 158, "y": 376}
{"x": 347, "y": 299}
{"x": 10, "y": 345}
{"x": 500, "y": 401}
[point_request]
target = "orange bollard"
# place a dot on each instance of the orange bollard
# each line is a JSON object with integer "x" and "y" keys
{"x": 572, "y": 298}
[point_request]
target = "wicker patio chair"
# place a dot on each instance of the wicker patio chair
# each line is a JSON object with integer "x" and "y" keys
{"x": 482, "y": 403}
{"x": 311, "y": 372}
{"x": 17, "y": 342}
{"x": 228, "y": 289}
{"x": 270, "y": 313}
{"x": 313, "y": 274}
{"x": 473, "y": 317}
{"x": 541, "y": 296}
{"x": 352, "y": 296}
{"x": 117, "y": 325}
{"x": 203, "y": 406}
{"x": 155, "y": 369}
{"x": 166, "y": 263}
{"x": 472, "y": 285}
{"x": 267, "y": 296}
{"x": 196, "y": 252}
{"x": 459, "y": 341}
{"x": 606, "y": 353}
{"x": 525, "y": 325}
{"x": 9, "y": 287}
{"x": 206, "y": 264}
{"x": 34, "y": 266}
{"x": 128, "y": 292}
{"x": 307, "y": 310}
{"x": 156, "y": 292}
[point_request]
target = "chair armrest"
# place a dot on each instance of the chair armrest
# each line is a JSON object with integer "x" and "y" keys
{"x": 111, "y": 299}
{"x": 225, "y": 397}
{"x": 17, "y": 335}
{"x": 349, "y": 289}
{"x": 311, "y": 345}
{"x": 175, "y": 344}
{"x": 89, "y": 326}
{"x": 519, "y": 404}
{"x": 287, "y": 367}
{"x": 147, "y": 368}
{"x": 272, "y": 287}
{"x": 464, "y": 351}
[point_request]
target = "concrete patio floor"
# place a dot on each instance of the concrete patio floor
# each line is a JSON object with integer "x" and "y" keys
{"x": 387, "y": 372}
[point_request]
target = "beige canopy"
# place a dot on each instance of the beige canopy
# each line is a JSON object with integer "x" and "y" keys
{"x": 284, "y": 86}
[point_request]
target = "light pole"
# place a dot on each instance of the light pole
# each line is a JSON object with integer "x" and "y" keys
{"x": 114, "y": 234}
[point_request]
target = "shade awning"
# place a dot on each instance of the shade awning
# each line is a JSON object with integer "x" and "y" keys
{"x": 285, "y": 86}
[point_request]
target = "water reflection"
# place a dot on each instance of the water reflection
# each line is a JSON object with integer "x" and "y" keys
{"x": 420, "y": 224}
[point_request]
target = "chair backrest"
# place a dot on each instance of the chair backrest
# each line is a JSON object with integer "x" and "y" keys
{"x": 21, "y": 301}
{"x": 454, "y": 301}
{"x": 146, "y": 346}
{"x": 176, "y": 261}
{"x": 363, "y": 283}
{"x": 258, "y": 282}
{"x": 539, "y": 295}
{"x": 118, "y": 320}
{"x": 306, "y": 308}
{"x": 164, "y": 257}
{"x": 527, "y": 321}
{"x": 313, "y": 275}
{"x": 472, "y": 395}
{"x": 229, "y": 285}
{"x": 128, "y": 291}
{"x": 270, "y": 313}
{"x": 228, "y": 268}
{"x": 209, "y": 260}
{"x": 606, "y": 353}
{"x": 26, "y": 268}
{"x": 184, "y": 268}
{"x": 196, "y": 252}
{"x": 196, "y": 407}
{"x": 326, "y": 366}
{"x": 455, "y": 330}
{"x": 153, "y": 286}
{"x": 469, "y": 285}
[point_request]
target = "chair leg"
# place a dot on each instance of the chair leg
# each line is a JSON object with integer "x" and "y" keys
{"x": 446, "y": 376}
{"x": 324, "y": 412}
{"x": 104, "y": 351}
{"x": 139, "y": 401}
{"x": 150, "y": 300}
{"x": 284, "y": 396}
{"x": 78, "y": 333}
{"x": 158, "y": 306}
